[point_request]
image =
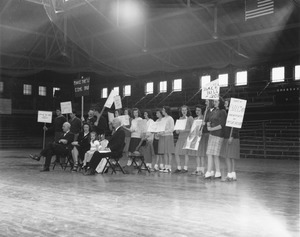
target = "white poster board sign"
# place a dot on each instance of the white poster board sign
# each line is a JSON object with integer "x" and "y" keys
{"x": 110, "y": 99}
{"x": 236, "y": 113}
{"x": 111, "y": 116}
{"x": 44, "y": 117}
{"x": 157, "y": 126}
{"x": 180, "y": 124}
{"x": 66, "y": 107}
{"x": 124, "y": 120}
{"x": 211, "y": 90}
{"x": 118, "y": 102}
{"x": 193, "y": 140}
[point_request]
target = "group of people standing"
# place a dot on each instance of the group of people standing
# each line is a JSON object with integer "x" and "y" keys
{"x": 216, "y": 140}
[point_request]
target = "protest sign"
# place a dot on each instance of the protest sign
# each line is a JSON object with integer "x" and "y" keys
{"x": 124, "y": 120}
{"x": 211, "y": 90}
{"x": 193, "y": 140}
{"x": 180, "y": 124}
{"x": 110, "y": 99}
{"x": 82, "y": 86}
{"x": 236, "y": 113}
{"x": 158, "y": 126}
{"x": 44, "y": 117}
{"x": 118, "y": 102}
{"x": 66, "y": 107}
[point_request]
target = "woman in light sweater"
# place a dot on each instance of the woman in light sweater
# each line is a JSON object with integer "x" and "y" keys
{"x": 166, "y": 140}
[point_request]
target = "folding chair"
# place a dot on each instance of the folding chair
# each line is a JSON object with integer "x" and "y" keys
{"x": 135, "y": 156}
{"x": 112, "y": 162}
{"x": 64, "y": 161}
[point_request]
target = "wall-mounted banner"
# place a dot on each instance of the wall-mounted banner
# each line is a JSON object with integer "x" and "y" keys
{"x": 236, "y": 113}
{"x": 44, "y": 117}
{"x": 66, "y": 107}
{"x": 211, "y": 90}
{"x": 82, "y": 86}
{"x": 118, "y": 102}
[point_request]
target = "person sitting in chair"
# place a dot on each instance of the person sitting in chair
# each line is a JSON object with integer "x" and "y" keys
{"x": 59, "y": 148}
{"x": 114, "y": 147}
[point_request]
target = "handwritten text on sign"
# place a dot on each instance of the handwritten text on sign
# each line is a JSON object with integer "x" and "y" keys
{"x": 211, "y": 90}
{"x": 66, "y": 107}
{"x": 44, "y": 117}
{"x": 236, "y": 113}
{"x": 82, "y": 86}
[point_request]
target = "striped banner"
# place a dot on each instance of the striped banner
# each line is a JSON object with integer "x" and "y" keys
{"x": 257, "y": 8}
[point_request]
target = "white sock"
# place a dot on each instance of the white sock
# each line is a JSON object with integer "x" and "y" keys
{"x": 156, "y": 166}
{"x": 198, "y": 169}
{"x": 185, "y": 167}
{"x": 179, "y": 167}
{"x": 229, "y": 175}
{"x": 161, "y": 166}
{"x": 233, "y": 175}
{"x": 212, "y": 173}
{"x": 218, "y": 174}
{"x": 207, "y": 174}
{"x": 202, "y": 169}
{"x": 149, "y": 165}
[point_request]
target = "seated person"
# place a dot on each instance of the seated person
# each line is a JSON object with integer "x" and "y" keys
{"x": 59, "y": 148}
{"x": 103, "y": 142}
{"x": 94, "y": 147}
{"x": 114, "y": 147}
{"x": 81, "y": 146}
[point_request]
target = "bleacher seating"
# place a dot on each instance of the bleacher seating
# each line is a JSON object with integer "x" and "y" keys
{"x": 274, "y": 139}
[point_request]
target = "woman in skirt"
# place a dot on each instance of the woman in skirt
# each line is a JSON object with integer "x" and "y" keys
{"x": 135, "y": 130}
{"x": 215, "y": 127}
{"x": 183, "y": 134}
{"x": 127, "y": 131}
{"x": 231, "y": 148}
{"x": 147, "y": 146}
{"x": 166, "y": 140}
{"x": 199, "y": 159}
{"x": 155, "y": 145}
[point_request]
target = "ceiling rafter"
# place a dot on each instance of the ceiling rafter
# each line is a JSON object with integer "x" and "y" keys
{"x": 212, "y": 41}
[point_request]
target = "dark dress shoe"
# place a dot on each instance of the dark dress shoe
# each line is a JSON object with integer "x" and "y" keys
{"x": 44, "y": 170}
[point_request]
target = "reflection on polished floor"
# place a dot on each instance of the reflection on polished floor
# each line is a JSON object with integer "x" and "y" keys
{"x": 263, "y": 202}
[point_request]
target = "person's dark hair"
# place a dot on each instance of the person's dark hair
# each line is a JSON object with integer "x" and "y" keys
{"x": 149, "y": 112}
{"x": 202, "y": 107}
{"x": 188, "y": 111}
{"x": 136, "y": 109}
{"x": 129, "y": 112}
{"x": 221, "y": 103}
{"x": 167, "y": 109}
{"x": 74, "y": 112}
{"x": 98, "y": 109}
{"x": 87, "y": 125}
{"x": 119, "y": 111}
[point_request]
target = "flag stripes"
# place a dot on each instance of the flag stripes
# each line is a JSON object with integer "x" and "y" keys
{"x": 257, "y": 8}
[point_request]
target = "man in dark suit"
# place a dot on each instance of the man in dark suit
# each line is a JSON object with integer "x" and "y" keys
{"x": 59, "y": 148}
{"x": 115, "y": 145}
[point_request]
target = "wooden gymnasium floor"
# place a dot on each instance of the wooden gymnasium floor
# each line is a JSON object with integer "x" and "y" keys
{"x": 263, "y": 202}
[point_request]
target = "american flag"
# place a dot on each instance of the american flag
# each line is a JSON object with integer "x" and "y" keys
{"x": 256, "y": 8}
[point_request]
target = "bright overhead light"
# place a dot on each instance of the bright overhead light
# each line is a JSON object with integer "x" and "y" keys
{"x": 129, "y": 12}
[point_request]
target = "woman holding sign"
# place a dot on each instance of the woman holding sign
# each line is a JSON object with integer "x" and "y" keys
{"x": 199, "y": 158}
{"x": 215, "y": 127}
{"x": 183, "y": 134}
{"x": 230, "y": 148}
{"x": 166, "y": 140}
{"x": 135, "y": 137}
